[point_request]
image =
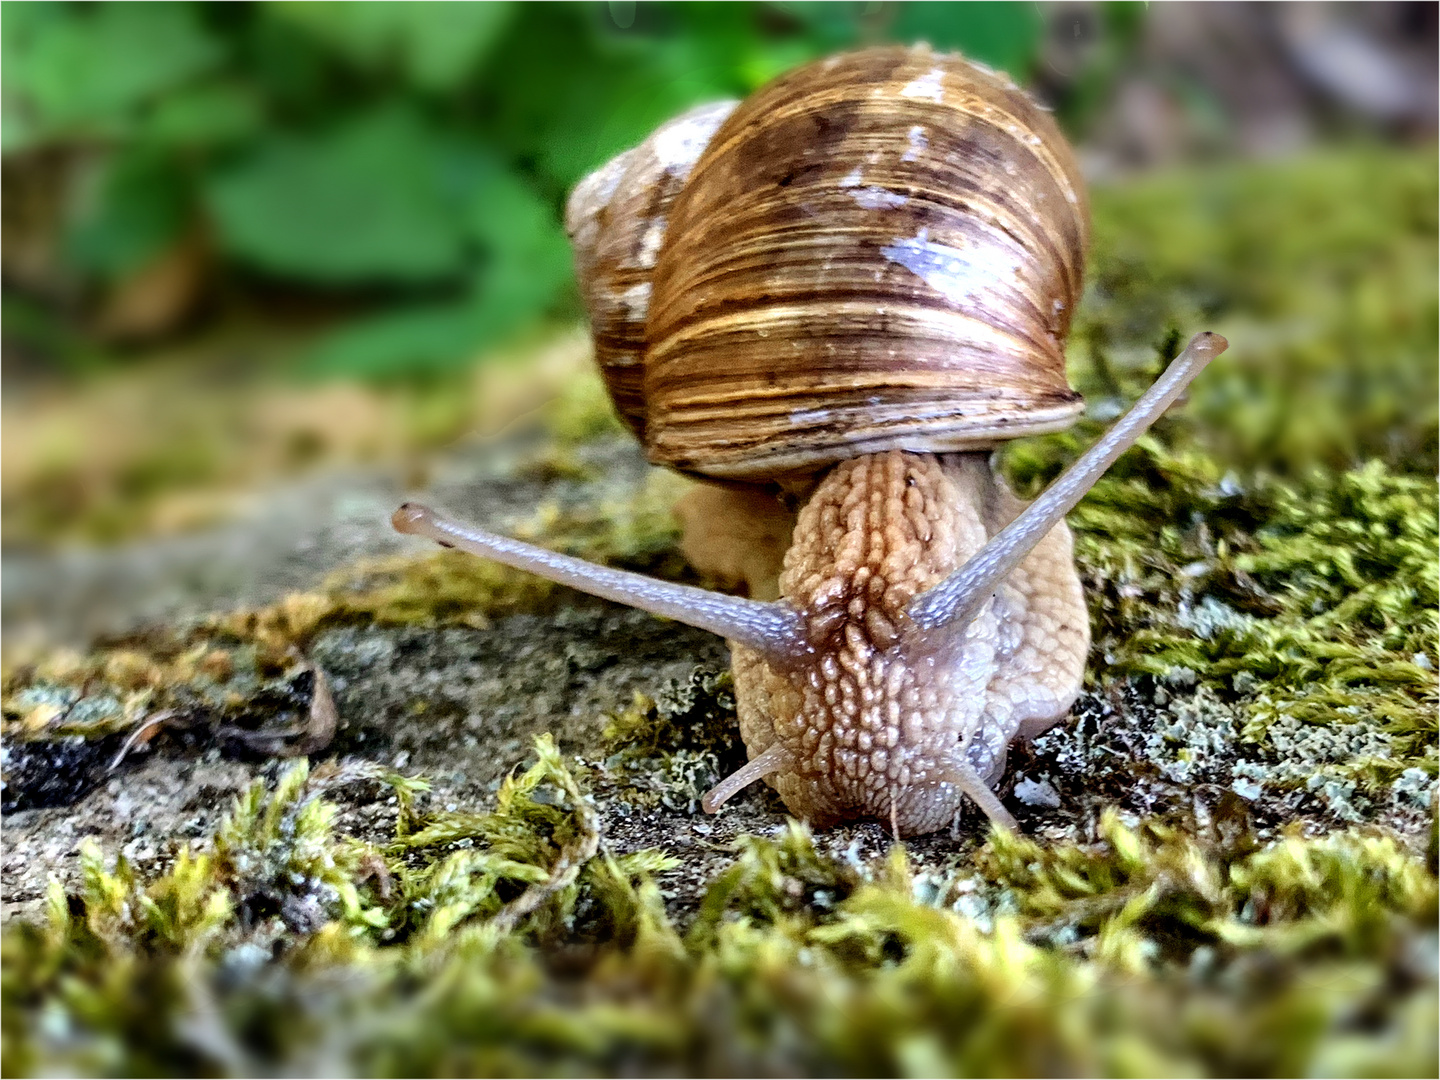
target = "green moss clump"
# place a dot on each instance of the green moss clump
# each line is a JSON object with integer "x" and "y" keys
{"x": 782, "y": 880}
{"x": 516, "y": 943}
{"x": 1275, "y": 539}
{"x": 270, "y": 933}
{"x": 1305, "y": 608}
{"x": 1314, "y": 601}
{"x": 697, "y": 714}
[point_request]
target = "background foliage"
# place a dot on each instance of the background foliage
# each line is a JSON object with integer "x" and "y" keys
{"x": 407, "y": 159}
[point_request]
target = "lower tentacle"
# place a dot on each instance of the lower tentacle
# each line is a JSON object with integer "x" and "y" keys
{"x": 958, "y": 770}
{"x": 774, "y": 759}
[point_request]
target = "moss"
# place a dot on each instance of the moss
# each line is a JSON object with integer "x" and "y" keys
{"x": 1312, "y": 602}
{"x": 1276, "y": 539}
{"x": 773, "y": 881}
{"x": 698, "y": 714}
{"x": 516, "y": 943}
{"x": 670, "y": 750}
{"x": 1315, "y": 600}
{"x": 276, "y": 908}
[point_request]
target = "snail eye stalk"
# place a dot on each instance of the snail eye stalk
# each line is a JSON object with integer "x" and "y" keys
{"x": 771, "y": 628}
{"x": 960, "y": 597}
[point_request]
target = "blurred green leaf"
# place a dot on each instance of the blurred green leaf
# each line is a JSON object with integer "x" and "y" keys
{"x": 591, "y": 92}
{"x": 292, "y": 69}
{"x": 141, "y": 205}
{"x": 364, "y": 202}
{"x": 739, "y": 51}
{"x": 525, "y": 270}
{"x": 831, "y": 24}
{"x": 203, "y": 116}
{"x": 424, "y": 338}
{"x": 79, "y": 70}
{"x": 528, "y": 256}
{"x": 435, "y": 45}
{"x": 1003, "y": 35}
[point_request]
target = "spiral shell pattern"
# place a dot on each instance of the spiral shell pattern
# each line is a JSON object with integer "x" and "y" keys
{"x": 616, "y": 220}
{"x": 879, "y": 250}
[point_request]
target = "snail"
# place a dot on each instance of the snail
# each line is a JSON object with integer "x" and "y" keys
{"x": 841, "y": 294}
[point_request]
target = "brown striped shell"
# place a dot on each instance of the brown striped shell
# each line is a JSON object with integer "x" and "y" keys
{"x": 879, "y": 250}
{"x": 616, "y": 221}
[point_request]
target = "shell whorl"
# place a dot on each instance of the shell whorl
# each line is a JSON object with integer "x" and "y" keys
{"x": 880, "y": 250}
{"x": 616, "y": 221}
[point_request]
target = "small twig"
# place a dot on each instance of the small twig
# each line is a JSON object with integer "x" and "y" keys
{"x": 324, "y": 716}
{"x": 142, "y": 732}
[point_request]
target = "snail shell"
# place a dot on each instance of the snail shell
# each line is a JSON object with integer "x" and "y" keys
{"x": 616, "y": 220}
{"x": 881, "y": 250}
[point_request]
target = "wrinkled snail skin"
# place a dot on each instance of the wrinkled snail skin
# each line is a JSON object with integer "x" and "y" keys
{"x": 877, "y": 727}
{"x": 852, "y": 286}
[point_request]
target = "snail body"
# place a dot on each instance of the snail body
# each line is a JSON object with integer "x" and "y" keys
{"x": 846, "y": 290}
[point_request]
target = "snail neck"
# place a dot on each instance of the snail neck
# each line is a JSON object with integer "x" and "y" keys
{"x": 877, "y": 531}
{"x": 743, "y": 537}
